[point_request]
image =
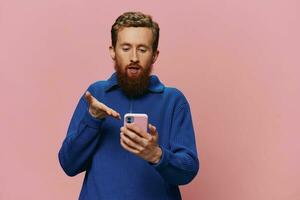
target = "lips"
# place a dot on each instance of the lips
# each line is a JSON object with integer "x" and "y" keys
{"x": 133, "y": 70}
{"x": 134, "y": 67}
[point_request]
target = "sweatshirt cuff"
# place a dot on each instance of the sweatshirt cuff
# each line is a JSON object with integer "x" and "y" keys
{"x": 92, "y": 121}
{"x": 164, "y": 160}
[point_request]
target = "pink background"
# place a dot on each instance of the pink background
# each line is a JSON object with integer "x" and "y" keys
{"x": 236, "y": 61}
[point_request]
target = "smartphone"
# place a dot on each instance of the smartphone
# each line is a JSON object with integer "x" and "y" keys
{"x": 140, "y": 120}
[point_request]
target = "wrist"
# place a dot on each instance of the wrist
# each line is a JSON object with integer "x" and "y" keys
{"x": 157, "y": 156}
{"x": 95, "y": 114}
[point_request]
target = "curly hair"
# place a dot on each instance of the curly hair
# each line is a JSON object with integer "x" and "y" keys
{"x": 135, "y": 19}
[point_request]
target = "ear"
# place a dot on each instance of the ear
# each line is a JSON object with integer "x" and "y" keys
{"x": 112, "y": 52}
{"x": 155, "y": 55}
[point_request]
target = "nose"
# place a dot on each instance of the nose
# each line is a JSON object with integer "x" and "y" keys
{"x": 134, "y": 57}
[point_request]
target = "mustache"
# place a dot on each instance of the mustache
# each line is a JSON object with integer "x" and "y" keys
{"x": 134, "y": 65}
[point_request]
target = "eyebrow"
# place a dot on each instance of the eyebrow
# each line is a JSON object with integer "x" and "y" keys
{"x": 123, "y": 44}
{"x": 128, "y": 44}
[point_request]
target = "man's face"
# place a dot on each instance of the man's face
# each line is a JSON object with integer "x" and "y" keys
{"x": 134, "y": 57}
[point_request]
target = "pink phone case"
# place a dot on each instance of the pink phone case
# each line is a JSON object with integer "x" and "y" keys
{"x": 139, "y": 119}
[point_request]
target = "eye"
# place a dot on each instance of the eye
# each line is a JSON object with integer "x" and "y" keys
{"x": 143, "y": 50}
{"x": 125, "y": 48}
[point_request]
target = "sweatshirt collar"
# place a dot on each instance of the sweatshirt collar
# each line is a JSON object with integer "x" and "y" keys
{"x": 155, "y": 85}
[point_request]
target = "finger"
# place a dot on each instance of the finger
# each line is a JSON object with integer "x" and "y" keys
{"x": 130, "y": 143}
{"x": 134, "y": 137}
{"x": 110, "y": 111}
{"x": 88, "y": 96}
{"x": 152, "y": 129}
{"x": 116, "y": 114}
{"x": 135, "y": 128}
{"x": 128, "y": 148}
{"x": 101, "y": 106}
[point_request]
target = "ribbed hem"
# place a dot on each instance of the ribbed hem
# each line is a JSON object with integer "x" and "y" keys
{"x": 164, "y": 159}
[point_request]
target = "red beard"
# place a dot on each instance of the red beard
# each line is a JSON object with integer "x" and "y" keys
{"x": 133, "y": 86}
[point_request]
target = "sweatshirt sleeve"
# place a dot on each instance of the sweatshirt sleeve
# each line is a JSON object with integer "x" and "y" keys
{"x": 81, "y": 140}
{"x": 179, "y": 164}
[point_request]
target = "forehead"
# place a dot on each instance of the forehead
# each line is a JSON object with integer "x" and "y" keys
{"x": 135, "y": 36}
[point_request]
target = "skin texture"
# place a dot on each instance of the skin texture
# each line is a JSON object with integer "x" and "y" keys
{"x": 141, "y": 143}
{"x": 99, "y": 110}
{"x": 133, "y": 48}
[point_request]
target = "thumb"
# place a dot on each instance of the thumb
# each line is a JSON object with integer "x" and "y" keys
{"x": 88, "y": 96}
{"x": 153, "y": 130}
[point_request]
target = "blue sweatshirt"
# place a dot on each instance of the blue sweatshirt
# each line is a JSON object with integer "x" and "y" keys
{"x": 113, "y": 173}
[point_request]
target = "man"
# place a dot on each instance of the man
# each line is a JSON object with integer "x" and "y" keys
{"x": 125, "y": 162}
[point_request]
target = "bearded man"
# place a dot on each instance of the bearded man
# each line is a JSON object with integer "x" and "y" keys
{"x": 125, "y": 161}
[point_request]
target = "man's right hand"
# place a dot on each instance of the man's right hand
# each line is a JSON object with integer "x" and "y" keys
{"x": 99, "y": 110}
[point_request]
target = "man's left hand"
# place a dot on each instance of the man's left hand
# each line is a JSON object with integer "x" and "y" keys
{"x": 141, "y": 143}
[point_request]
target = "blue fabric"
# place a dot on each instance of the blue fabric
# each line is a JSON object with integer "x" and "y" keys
{"x": 112, "y": 173}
